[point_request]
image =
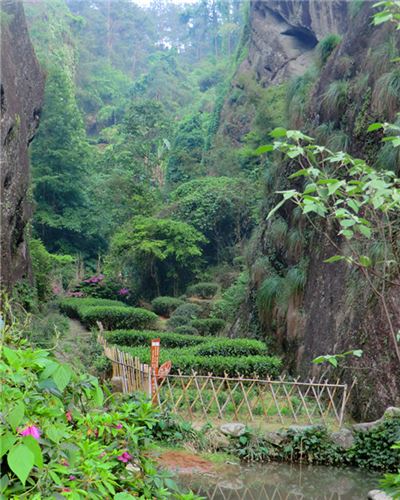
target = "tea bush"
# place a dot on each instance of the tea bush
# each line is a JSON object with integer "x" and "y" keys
{"x": 232, "y": 347}
{"x": 133, "y": 338}
{"x": 184, "y": 315}
{"x": 209, "y": 326}
{"x": 186, "y": 360}
{"x": 203, "y": 290}
{"x": 165, "y": 306}
{"x": 115, "y": 317}
{"x": 72, "y": 306}
{"x": 186, "y": 329}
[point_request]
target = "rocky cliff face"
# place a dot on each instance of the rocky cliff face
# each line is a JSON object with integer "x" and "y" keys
{"x": 22, "y": 87}
{"x": 284, "y": 34}
{"x": 334, "y": 311}
{"x": 282, "y": 38}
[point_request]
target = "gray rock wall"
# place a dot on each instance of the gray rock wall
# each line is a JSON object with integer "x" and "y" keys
{"x": 22, "y": 87}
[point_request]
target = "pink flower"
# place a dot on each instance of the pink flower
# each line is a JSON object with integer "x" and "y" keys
{"x": 66, "y": 489}
{"x": 118, "y": 426}
{"x": 125, "y": 457}
{"x": 68, "y": 416}
{"x": 72, "y": 478}
{"x": 123, "y": 291}
{"x": 31, "y": 430}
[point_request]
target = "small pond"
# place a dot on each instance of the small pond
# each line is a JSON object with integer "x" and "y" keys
{"x": 281, "y": 481}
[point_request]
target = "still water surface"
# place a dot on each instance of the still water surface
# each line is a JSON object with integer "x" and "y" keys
{"x": 282, "y": 482}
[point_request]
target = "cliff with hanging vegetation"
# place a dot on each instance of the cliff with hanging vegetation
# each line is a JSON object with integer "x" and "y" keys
{"x": 323, "y": 68}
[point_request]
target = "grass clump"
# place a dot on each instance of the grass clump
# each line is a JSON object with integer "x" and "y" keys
{"x": 326, "y": 46}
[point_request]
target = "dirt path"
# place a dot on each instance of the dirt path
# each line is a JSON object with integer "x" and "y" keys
{"x": 74, "y": 346}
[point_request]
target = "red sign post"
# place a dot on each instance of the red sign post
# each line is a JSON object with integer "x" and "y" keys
{"x": 155, "y": 357}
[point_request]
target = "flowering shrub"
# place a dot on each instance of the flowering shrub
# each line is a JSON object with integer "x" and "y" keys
{"x": 58, "y": 440}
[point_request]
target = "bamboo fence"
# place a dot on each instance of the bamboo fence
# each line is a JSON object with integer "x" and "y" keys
{"x": 197, "y": 397}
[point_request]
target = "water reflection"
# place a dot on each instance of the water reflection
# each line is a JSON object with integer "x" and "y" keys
{"x": 283, "y": 482}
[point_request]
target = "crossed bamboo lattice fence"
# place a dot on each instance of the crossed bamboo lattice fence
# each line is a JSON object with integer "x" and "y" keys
{"x": 262, "y": 492}
{"x": 208, "y": 397}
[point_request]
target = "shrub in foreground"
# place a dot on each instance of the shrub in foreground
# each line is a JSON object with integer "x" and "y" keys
{"x": 142, "y": 338}
{"x": 231, "y": 347}
{"x": 165, "y": 306}
{"x": 115, "y": 317}
{"x": 61, "y": 442}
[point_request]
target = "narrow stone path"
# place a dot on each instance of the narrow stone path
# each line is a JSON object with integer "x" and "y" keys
{"x": 74, "y": 345}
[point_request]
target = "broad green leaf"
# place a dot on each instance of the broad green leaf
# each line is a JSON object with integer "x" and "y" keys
{"x": 21, "y": 460}
{"x": 365, "y": 261}
{"x": 347, "y": 233}
{"x": 278, "y": 132}
{"x": 16, "y": 415}
{"x": 353, "y": 205}
{"x": 11, "y": 355}
{"x": 62, "y": 376}
{"x": 382, "y": 17}
{"x": 374, "y": 126}
{"x": 366, "y": 231}
{"x": 6, "y": 441}
{"x": 56, "y": 433}
{"x": 33, "y": 445}
{"x": 299, "y": 173}
{"x": 358, "y": 353}
{"x": 98, "y": 396}
{"x": 264, "y": 149}
{"x": 347, "y": 222}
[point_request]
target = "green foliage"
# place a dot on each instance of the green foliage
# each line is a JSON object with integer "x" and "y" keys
{"x": 335, "y": 99}
{"x": 184, "y": 161}
{"x": 298, "y": 96}
{"x": 73, "y": 307}
{"x": 187, "y": 360}
{"x": 374, "y": 449}
{"x": 203, "y": 290}
{"x": 165, "y": 306}
{"x": 56, "y": 434}
{"x": 186, "y": 330}
{"x": 48, "y": 268}
{"x": 157, "y": 254}
{"x": 60, "y": 165}
{"x": 326, "y": 46}
{"x": 386, "y": 94}
{"x": 132, "y": 338}
{"x": 218, "y": 207}
{"x": 232, "y": 347}
{"x": 208, "y": 326}
{"x": 267, "y": 294}
{"x": 116, "y": 317}
{"x": 311, "y": 445}
{"x": 250, "y": 448}
{"x": 183, "y": 315}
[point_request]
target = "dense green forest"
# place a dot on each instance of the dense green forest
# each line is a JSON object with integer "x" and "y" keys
{"x": 223, "y": 175}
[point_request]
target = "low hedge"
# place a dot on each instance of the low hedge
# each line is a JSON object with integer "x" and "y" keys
{"x": 185, "y": 361}
{"x": 201, "y": 346}
{"x": 231, "y": 347}
{"x": 165, "y": 306}
{"x": 186, "y": 330}
{"x": 203, "y": 290}
{"x": 209, "y": 326}
{"x": 116, "y": 317}
{"x": 72, "y": 306}
{"x": 142, "y": 338}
